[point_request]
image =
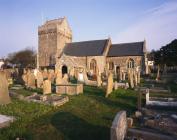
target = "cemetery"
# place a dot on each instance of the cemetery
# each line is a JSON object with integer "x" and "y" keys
{"x": 99, "y": 89}
{"x": 55, "y": 102}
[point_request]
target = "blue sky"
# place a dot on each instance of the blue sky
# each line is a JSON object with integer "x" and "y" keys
{"x": 122, "y": 20}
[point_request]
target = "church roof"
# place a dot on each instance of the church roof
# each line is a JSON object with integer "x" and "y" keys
{"x": 126, "y": 49}
{"x": 86, "y": 48}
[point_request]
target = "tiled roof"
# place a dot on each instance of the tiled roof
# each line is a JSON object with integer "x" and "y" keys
{"x": 127, "y": 49}
{"x": 86, "y": 48}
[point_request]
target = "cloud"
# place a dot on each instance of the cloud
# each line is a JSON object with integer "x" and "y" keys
{"x": 158, "y": 27}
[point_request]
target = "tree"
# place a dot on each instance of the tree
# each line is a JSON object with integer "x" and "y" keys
{"x": 165, "y": 56}
{"x": 24, "y": 58}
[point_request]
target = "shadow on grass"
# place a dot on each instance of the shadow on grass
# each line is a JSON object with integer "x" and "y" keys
{"x": 91, "y": 90}
{"x": 74, "y": 128}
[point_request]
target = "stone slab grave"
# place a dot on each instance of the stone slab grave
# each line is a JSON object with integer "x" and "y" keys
{"x": 154, "y": 101}
{"x": 16, "y": 87}
{"x": 120, "y": 85}
{"x": 70, "y": 89}
{"x": 120, "y": 130}
{"x": 53, "y": 100}
{"x": 155, "y": 89}
{"x": 119, "y": 126}
{"x": 6, "y": 120}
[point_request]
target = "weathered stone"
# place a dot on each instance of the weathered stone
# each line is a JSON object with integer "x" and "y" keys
{"x": 129, "y": 122}
{"x": 65, "y": 79}
{"x": 99, "y": 81}
{"x": 25, "y": 79}
{"x": 131, "y": 79}
{"x": 39, "y": 79}
{"x": 115, "y": 85}
{"x": 4, "y": 92}
{"x": 47, "y": 87}
{"x": 138, "y": 114}
{"x": 80, "y": 77}
{"x": 109, "y": 84}
{"x": 31, "y": 80}
{"x": 138, "y": 77}
{"x": 150, "y": 123}
{"x": 45, "y": 74}
{"x": 43, "y": 98}
{"x": 70, "y": 89}
{"x": 51, "y": 75}
{"x": 6, "y": 120}
{"x": 119, "y": 126}
{"x": 52, "y": 40}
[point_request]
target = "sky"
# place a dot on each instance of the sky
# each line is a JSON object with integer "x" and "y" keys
{"x": 123, "y": 20}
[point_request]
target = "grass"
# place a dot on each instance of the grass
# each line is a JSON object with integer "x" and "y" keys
{"x": 87, "y": 116}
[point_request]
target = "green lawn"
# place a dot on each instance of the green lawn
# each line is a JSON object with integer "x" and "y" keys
{"x": 84, "y": 117}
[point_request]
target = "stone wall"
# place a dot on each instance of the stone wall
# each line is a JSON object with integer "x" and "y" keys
{"x": 52, "y": 37}
{"x": 80, "y": 62}
{"x": 122, "y": 62}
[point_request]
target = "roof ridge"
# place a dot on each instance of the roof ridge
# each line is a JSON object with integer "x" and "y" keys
{"x": 129, "y": 43}
{"x": 88, "y": 41}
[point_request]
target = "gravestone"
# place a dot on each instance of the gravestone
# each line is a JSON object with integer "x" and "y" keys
{"x": 47, "y": 87}
{"x": 138, "y": 77}
{"x": 121, "y": 76}
{"x": 119, "y": 126}
{"x": 58, "y": 80}
{"x": 65, "y": 79}
{"x": 51, "y": 75}
{"x": 99, "y": 81}
{"x": 131, "y": 79}
{"x": 39, "y": 79}
{"x": 45, "y": 74}
{"x": 25, "y": 79}
{"x": 109, "y": 84}
{"x": 124, "y": 74}
{"x": 80, "y": 77}
{"x": 4, "y": 92}
{"x": 135, "y": 78}
{"x": 31, "y": 80}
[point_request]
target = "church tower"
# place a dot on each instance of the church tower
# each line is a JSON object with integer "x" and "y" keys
{"x": 52, "y": 37}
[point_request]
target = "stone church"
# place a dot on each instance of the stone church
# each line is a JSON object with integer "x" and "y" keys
{"x": 56, "y": 49}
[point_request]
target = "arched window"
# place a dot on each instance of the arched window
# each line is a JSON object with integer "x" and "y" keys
{"x": 93, "y": 65}
{"x": 131, "y": 63}
{"x": 111, "y": 65}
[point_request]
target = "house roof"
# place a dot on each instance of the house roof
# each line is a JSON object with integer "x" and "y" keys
{"x": 126, "y": 49}
{"x": 86, "y": 48}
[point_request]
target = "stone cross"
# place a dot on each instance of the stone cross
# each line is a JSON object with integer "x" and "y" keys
{"x": 47, "y": 87}
{"x": 109, "y": 84}
{"x": 4, "y": 92}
